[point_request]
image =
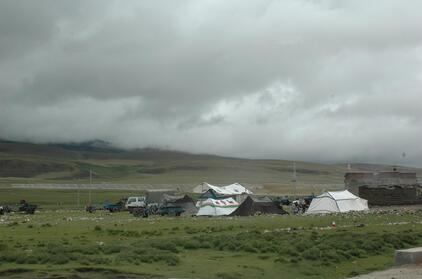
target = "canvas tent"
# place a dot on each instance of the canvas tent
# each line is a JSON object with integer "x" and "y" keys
{"x": 235, "y": 190}
{"x": 184, "y": 201}
{"x": 337, "y": 202}
{"x": 229, "y": 190}
{"x": 255, "y": 205}
{"x": 212, "y": 207}
{"x": 156, "y": 195}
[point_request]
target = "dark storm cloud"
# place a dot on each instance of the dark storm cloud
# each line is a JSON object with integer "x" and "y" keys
{"x": 311, "y": 80}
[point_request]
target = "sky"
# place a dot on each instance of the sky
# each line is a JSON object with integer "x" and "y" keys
{"x": 315, "y": 80}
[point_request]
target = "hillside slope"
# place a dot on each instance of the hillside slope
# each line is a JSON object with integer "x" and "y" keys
{"x": 73, "y": 163}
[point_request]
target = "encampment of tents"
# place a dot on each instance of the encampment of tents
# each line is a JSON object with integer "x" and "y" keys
{"x": 255, "y": 205}
{"x": 184, "y": 201}
{"x": 212, "y": 207}
{"x": 337, "y": 202}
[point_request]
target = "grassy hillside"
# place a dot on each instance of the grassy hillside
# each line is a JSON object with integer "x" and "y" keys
{"x": 72, "y": 163}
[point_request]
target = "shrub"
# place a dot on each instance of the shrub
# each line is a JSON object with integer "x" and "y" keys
{"x": 164, "y": 245}
{"x": 312, "y": 254}
{"x": 3, "y": 247}
{"x": 172, "y": 260}
{"x": 191, "y": 244}
{"x": 224, "y": 275}
{"x": 59, "y": 259}
{"x": 97, "y": 228}
{"x": 111, "y": 249}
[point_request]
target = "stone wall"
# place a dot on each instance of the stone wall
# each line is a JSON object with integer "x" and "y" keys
{"x": 391, "y": 195}
{"x": 354, "y": 180}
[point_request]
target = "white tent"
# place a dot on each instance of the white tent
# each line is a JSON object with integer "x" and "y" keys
{"x": 202, "y": 188}
{"x": 237, "y": 188}
{"x": 229, "y": 190}
{"x": 211, "y": 207}
{"x": 340, "y": 201}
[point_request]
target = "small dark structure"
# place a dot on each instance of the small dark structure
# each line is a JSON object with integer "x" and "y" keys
{"x": 255, "y": 206}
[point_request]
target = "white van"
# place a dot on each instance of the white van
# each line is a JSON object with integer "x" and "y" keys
{"x": 133, "y": 202}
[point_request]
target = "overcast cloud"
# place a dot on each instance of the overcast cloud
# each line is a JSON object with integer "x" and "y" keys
{"x": 307, "y": 80}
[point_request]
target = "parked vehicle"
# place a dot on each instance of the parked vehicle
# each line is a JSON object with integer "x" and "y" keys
{"x": 26, "y": 207}
{"x": 171, "y": 210}
{"x": 114, "y": 207}
{"x": 5, "y": 209}
{"x": 135, "y": 202}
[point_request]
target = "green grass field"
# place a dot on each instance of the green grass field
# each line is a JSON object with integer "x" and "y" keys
{"x": 68, "y": 242}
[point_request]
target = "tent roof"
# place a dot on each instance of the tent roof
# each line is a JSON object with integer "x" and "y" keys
{"x": 339, "y": 195}
{"x": 237, "y": 188}
{"x": 177, "y": 199}
{"x": 229, "y": 190}
{"x": 156, "y": 195}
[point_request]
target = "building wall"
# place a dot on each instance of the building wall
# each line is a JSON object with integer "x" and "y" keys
{"x": 354, "y": 180}
{"x": 385, "y": 188}
{"x": 394, "y": 195}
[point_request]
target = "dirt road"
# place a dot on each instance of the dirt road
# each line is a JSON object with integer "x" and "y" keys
{"x": 405, "y": 272}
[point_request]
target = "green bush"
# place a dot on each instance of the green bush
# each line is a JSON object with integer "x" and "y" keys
{"x": 59, "y": 259}
{"x": 111, "y": 249}
{"x": 98, "y": 228}
{"x": 312, "y": 254}
{"x": 166, "y": 245}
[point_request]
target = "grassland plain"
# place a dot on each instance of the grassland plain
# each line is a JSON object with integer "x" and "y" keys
{"x": 68, "y": 242}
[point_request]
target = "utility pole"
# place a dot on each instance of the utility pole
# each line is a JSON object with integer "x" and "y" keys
{"x": 90, "y": 186}
{"x": 294, "y": 179}
{"x": 79, "y": 196}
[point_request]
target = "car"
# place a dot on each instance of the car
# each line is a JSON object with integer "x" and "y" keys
{"x": 114, "y": 207}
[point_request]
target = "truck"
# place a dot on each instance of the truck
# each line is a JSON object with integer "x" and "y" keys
{"x": 135, "y": 202}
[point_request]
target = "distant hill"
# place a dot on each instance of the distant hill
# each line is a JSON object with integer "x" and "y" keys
{"x": 22, "y": 162}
